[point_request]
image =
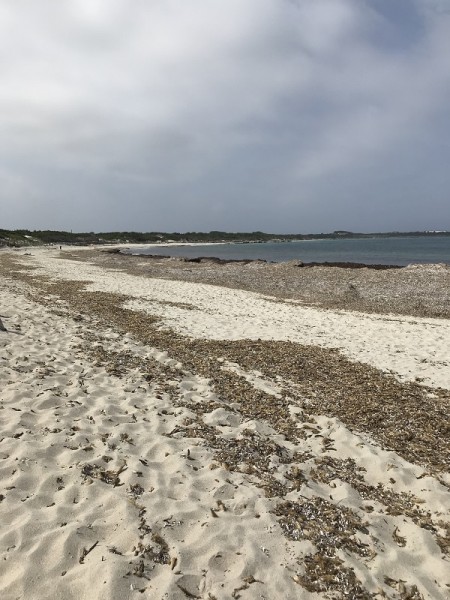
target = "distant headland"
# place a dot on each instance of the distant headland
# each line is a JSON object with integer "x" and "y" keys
{"x": 25, "y": 237}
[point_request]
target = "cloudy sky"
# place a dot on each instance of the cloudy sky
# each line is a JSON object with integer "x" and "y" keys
{"x": 237, "y": 115}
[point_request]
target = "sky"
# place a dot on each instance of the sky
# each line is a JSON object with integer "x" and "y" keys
{"x": 286, "y": 116}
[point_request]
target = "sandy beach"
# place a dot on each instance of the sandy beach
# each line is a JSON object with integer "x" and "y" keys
{"x": 174, "y": 431}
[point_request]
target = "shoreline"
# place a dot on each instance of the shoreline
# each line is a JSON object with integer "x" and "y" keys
{"x": 345, "y": 263}
{"x": 416, "y": 290}
{"x": 245, "y": 261}
{"x": 127, "y": 249}
{"x": 224, "y": 458}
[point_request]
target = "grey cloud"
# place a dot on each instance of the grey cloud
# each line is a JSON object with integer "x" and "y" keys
{"x": 238, "y": 115}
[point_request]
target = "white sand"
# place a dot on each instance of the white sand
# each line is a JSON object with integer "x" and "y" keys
{"x": 59, "y": 413}
{"x": 410, "y": 347}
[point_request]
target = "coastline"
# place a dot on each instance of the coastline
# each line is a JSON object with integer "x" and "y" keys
{"x": 370, "y": 250}
{"x": 230, "y": 451}
{"x": 416, "y": 290}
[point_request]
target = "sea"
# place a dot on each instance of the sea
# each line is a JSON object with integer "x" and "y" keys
{"x": 399, "y": 251}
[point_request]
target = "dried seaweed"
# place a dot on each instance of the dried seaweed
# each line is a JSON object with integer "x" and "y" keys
{"x": 327, "y": 525}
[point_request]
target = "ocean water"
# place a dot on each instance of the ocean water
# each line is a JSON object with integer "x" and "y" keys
{"x": 384, "y": 251}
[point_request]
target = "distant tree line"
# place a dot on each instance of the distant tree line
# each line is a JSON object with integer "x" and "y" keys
{"x": 25, "y": 237}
